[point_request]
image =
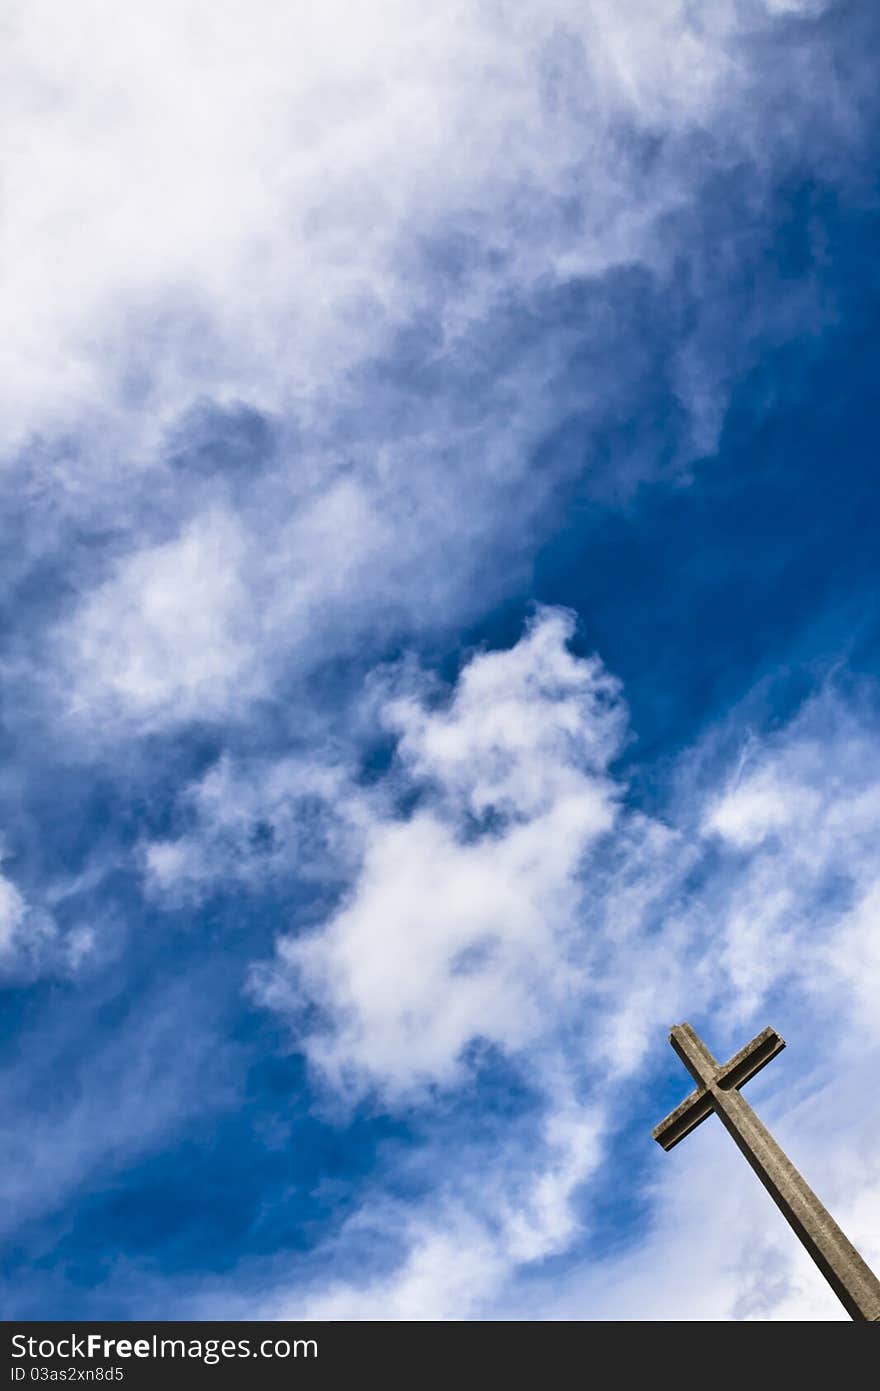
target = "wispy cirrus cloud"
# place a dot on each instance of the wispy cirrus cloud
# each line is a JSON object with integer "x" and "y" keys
{"x": 251, "y": 201}
{"x": 440, "y": 264}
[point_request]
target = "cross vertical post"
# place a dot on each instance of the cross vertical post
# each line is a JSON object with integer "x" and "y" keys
{"x": 717, "y": 1090}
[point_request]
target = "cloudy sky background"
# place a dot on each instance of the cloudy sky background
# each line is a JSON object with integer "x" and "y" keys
{"x": 440, "y": 651}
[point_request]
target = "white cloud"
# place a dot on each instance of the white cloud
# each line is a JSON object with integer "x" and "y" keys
{"x": 459, "y": 1252}
{"x": 12, "y": 912}
{"x": 31, "y": 942}
{"x": 249, "y": 823}
{"x": 525, "y": 730}
{"x": 200, "y": 626}
{"x": 851, "y": 956}
{"x": 754, "y": 809}
{"x": 241, "y": 189}
{"x": 458, "y": 931}
{"x": 213, "y": 204}
{"x": 801, "y": 883}
{"x": 170, "y": 629}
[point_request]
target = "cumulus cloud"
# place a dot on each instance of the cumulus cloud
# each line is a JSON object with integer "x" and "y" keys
{"x": 463, "y": 922}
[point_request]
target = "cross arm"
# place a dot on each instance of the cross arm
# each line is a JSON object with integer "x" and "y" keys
{"x": 693, "y": 1053}
{"x": 685, "y": 1118}
{"x": 749, "y": 1060}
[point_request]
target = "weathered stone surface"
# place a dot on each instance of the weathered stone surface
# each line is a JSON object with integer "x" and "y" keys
{"x": 717, "y": 1090}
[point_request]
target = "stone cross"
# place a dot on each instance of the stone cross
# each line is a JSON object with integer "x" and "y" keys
{"x": 717, "y": 1090}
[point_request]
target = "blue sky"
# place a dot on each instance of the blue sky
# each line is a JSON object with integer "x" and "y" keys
{"x": 440, "y": 651}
